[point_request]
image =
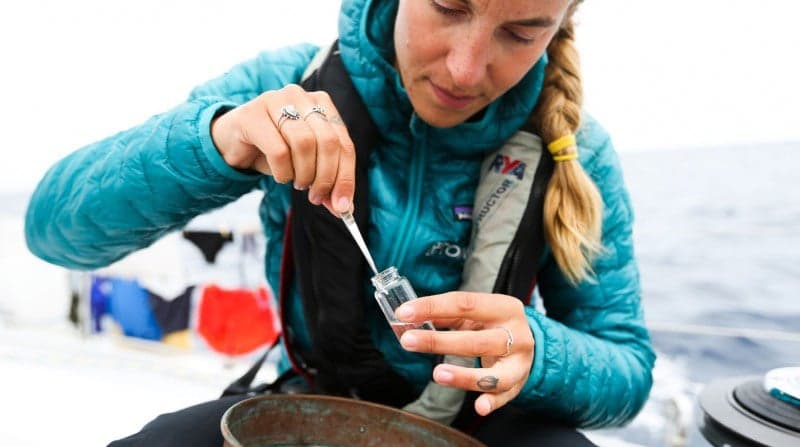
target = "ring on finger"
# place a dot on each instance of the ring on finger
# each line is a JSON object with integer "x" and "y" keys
{"x": 316, "y": 109}
{"x": 288, "y": 112}
{"x": 509, "y": 341}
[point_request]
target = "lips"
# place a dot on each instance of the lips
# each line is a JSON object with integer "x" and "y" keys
{"x": 451, "y": 100}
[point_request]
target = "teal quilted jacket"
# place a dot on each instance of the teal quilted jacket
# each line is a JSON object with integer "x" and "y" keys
{"x": 593, "y": 359}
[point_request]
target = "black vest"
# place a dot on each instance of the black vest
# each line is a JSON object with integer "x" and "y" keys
{"x": 331, "y": 272}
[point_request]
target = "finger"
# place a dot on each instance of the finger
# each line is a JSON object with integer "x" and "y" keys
{"x": 488, "y": 402}
{"x": 261, "y": 165}
{"x": 329, "y": 206}
{"x": 497, "y": 379}
{"x": 499, "y": 385}
{"x": 259, "y": 131}
{"x": 461, "y": 324}
{"x": 450, "y": 323}
{"x": 345, "y": 185}
{"x": 474, "y": 306}
{"x": 297, "y": 134}
{"x": 328, "y": 145}
{"x": 303, "y": 144}
{"x": 328, "y": 203}
{"x": 484, "y": 343}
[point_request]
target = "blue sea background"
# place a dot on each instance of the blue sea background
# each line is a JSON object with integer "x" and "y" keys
{"x": 717, "y": 236}
{"x": 718, "y": 243}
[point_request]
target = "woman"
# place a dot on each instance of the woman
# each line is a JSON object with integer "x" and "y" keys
{"x": 442, "y": 83}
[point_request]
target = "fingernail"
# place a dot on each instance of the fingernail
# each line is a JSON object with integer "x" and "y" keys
{"x": 404, "y": 313}
{"x": 313, "y": 198}
{"x": 444, "y": 376}
{"x": 298, "y": 187}
{"x": 343, "y": 204}
{"x": 484, "y": 407}
{"x": 409, "y": 341}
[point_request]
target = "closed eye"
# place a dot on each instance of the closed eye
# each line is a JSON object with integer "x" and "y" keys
{"x": 449, "y": 12}
{"x": 519, "y": 38}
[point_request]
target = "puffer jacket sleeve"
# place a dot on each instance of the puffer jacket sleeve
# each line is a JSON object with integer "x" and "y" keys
{"x": 593, "y": 358}
{"x": 124, "y": 192}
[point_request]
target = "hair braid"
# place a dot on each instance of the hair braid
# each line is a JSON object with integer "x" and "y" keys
{"x": 573, "y": 206}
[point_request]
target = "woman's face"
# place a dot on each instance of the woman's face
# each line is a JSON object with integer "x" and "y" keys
{"x": 457, "y": 56}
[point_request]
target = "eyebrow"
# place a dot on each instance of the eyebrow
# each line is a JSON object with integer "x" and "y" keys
{"x": 539, "y": 22}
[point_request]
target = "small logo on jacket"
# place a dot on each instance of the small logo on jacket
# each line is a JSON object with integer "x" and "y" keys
{"x": 462, "y": 212}
{"x": 508, "y": 166}
{"x": 447, "y": 249}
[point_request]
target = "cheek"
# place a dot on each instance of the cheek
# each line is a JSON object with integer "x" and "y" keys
{"x": 402, "y": 35}
{"x": 415, "y": 50}
{"x": 508, "y": 72}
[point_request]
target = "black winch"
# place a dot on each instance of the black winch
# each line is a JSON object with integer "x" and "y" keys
{"x": 741, "y": 412}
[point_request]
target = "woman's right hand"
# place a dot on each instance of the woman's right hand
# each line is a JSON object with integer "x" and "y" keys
{"x": 313, "y": 151}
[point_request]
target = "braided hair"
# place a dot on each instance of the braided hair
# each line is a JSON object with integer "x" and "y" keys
{"x": 573, "y": 207}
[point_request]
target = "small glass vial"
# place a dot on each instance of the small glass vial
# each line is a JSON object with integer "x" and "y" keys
{"x": 392, "y": 290}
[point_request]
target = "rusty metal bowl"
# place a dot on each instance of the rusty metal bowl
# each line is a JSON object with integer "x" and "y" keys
{"x": 309, "y": 420}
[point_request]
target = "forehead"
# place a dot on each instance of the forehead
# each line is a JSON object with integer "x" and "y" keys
{"x": 517, "y": 9}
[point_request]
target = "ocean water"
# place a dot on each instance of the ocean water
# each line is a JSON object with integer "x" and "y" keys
{"x": 718, "y": 242}
{"x": 717, "y": 237}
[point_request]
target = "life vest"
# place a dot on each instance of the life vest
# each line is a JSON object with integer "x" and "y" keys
{"x": 507, "y": 244}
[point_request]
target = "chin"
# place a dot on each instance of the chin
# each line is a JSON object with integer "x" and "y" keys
{"x": 441, "y": 119}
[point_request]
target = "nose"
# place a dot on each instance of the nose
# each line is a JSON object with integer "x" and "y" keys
{"x": 468, "y": 61}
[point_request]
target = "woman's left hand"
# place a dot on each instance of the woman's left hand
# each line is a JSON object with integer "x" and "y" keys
{"x": 492, "y": 327}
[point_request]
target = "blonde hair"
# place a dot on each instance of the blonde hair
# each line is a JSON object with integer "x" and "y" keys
{"x": 573, "y": 207}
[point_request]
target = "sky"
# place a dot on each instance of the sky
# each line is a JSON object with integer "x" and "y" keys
{"x": 657, "y": 74}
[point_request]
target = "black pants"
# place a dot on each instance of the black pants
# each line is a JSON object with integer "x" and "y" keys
{"x": 198, "y": 426}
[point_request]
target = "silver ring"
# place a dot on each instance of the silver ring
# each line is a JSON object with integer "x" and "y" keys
{"x": 316, "y": 109}
{"x": 509, "y": 342}
{"x": 288, "y": 112}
